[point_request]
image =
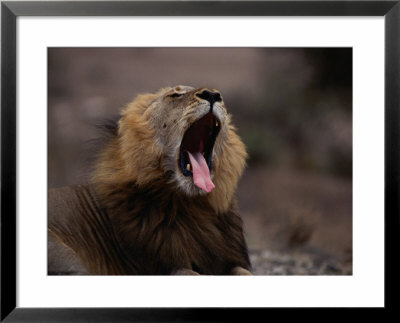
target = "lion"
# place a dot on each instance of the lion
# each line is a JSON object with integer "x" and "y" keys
{"x": 161, "y": 199}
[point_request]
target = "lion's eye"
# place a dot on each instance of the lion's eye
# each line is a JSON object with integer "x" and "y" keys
{"x": 176, "y": 95}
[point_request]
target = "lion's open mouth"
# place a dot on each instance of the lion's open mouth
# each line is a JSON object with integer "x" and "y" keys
{"x": 195, "y": 157}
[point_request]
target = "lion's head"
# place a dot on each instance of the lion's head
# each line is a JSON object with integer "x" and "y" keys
{"x": 181, "y": 136}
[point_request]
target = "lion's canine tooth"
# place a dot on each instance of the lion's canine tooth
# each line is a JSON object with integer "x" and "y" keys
{"x": 188, "y": 166}
{"x": 216, "y": 123}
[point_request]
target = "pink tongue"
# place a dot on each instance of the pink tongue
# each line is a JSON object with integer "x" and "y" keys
{"x": 201, "y": 173}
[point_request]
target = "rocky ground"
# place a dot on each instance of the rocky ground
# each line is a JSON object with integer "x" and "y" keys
{"x": 266, "y": 262}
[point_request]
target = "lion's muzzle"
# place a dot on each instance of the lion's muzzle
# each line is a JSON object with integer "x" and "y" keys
{"x": 211, "y": 97}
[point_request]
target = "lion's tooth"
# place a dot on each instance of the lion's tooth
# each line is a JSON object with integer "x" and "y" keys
{"x": 188, "y": 166}
{"x": 216, "y": 123}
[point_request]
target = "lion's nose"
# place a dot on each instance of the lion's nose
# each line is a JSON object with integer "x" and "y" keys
{"x": 211, "y": 97}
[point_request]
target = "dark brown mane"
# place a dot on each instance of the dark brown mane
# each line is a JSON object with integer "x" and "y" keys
{"x": 168, "y": 231}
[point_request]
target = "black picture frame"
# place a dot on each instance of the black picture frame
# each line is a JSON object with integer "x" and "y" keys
{"x": 10, "y": 11}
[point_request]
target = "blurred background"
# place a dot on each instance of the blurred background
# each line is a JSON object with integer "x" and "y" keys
{"x": 292, "y": 108}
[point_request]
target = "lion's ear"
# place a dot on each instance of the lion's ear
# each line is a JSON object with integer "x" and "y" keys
{"x": 139, "y": 104}
{"x": 133, "y": 114}
{"x": 144, "y": 100}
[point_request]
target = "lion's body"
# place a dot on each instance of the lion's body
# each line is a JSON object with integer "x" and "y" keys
{"x": 139, "y": 214}
{"x": 159, "y": 233}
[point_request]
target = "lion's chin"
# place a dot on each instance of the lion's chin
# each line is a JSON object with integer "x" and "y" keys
{"x": 188, "y": 187}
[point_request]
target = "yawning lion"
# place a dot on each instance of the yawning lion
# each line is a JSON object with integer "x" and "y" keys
{"x": 161, "y": 198}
